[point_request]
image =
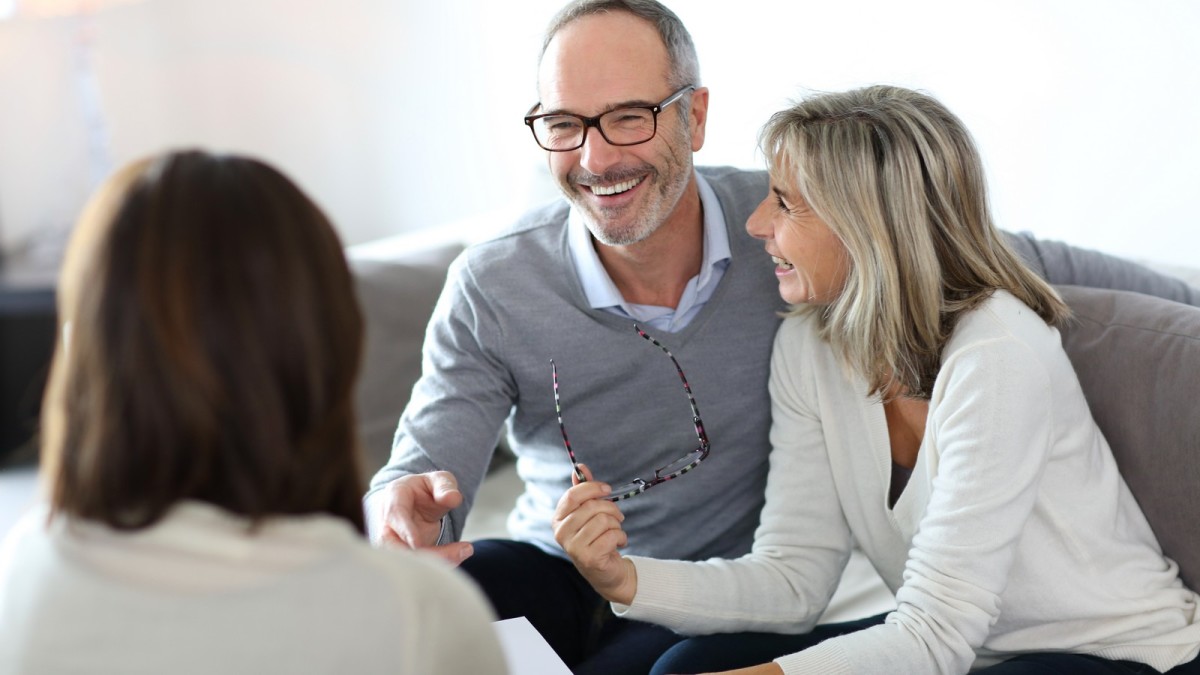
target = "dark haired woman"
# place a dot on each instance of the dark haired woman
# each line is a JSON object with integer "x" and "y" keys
{"x": 200, "y": 457}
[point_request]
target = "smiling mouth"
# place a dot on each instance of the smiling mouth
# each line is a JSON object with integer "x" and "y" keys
{"x": 615, "y": 189}
{"x": 782, "y": 263}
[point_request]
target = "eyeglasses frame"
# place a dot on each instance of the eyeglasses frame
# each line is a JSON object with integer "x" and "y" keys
{"x": 589, "y": 122}
{"x": 642, "y": 484}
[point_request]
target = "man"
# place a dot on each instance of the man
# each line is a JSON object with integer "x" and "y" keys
{"x": 643, "y": 238}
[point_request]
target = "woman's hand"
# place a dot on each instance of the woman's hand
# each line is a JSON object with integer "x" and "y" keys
{"x": 588, "y": 527}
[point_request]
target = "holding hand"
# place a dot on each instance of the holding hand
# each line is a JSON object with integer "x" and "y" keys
{"x": 410, "y": 509}
{"x": 588, "y": 528}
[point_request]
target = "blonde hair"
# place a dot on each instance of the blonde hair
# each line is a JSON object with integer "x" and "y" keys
{"x": 897, "y": 177}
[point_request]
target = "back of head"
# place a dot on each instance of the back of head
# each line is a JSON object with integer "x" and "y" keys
{"x": 684, "y": 66}
{"x": 211, "y": 343}
{"x": 898, "y": 178}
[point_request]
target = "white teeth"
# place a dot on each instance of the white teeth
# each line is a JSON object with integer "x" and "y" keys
{"x": 782, "y": 263}
{"x": 606, "y": 190}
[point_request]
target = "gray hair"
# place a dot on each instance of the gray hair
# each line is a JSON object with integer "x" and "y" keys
{"x": 898, "y": 179}
{"x": 683, "y": 66}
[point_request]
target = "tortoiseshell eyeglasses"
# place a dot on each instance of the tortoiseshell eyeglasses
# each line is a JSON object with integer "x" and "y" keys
{"x": 662, "y": 474}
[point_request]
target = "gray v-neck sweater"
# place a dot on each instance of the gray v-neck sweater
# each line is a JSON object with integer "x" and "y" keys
{"x": 513, "y": 303}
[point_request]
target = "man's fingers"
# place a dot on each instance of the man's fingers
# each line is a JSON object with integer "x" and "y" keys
{"x": 443, "y": 487}
{"x": 453, "y": 553}
{"x": 411, "y": 511}
{"x": 388, "y": 537}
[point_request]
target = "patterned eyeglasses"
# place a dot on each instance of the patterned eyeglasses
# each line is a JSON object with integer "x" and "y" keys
{"x": 662, "y": 474}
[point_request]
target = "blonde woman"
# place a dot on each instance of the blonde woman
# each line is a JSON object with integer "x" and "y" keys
{"x": 200, "y": 456}
{"x": 922, "y": 407}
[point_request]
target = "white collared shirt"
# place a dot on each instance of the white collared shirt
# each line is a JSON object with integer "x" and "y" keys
{"x": 602, "y": 293}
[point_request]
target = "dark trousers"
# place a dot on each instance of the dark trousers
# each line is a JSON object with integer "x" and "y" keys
{"x": 739, "y": 650}
{"x": 522, "y": 580}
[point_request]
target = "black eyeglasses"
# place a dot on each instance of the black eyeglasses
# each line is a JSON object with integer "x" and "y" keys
{"x": 631, "y": 125}
{"x": 662, "y": 474}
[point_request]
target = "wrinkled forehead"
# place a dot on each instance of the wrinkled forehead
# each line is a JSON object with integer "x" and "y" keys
{"x": 600, "y": 60}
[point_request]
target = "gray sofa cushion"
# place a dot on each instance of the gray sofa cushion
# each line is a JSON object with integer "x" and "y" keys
{"x": 1138, "y": 360}
{"x": 397, "y": 297}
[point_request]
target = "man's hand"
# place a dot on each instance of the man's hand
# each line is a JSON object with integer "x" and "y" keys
{"x": 409, "y": 512}
{"x": 589, "y": 530}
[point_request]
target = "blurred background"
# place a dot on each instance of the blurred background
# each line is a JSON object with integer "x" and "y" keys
{"x": 404, "y": 118}
{"x": 400, "y": 116}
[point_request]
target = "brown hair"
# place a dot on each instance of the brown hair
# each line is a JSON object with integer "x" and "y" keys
{"x": 898, "y": 178}
{"x": 211, "y": 340}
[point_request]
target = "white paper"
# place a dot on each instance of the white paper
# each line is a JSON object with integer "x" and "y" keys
{"x": 526, "y": 651}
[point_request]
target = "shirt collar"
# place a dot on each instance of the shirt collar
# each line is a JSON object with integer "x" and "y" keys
{"x": 598, "y": 286}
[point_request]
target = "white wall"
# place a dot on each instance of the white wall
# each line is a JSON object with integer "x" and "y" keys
{"x": 401, "y": 115}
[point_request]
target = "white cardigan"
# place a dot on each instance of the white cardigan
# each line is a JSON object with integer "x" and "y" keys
{"x": 1016, "y": 532}
{"x": 196, "y": 593}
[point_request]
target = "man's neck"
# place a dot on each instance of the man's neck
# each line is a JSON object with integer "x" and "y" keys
{"x": 655, "y": 271}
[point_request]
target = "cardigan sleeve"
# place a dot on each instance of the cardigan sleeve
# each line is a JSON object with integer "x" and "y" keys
{"x": 800, "y": 547}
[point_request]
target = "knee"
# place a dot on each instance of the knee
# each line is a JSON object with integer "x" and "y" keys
{"x": 689, "y": 656}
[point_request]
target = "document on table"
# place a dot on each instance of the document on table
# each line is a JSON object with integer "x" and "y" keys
{"x": 526, "y": 651}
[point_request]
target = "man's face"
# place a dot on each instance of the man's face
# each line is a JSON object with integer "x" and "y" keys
{"x": 599, "y": 63}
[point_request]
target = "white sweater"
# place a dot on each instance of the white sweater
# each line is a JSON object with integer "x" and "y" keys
{"x": 1016, "y": 532}
{"x": 196, "y": 593}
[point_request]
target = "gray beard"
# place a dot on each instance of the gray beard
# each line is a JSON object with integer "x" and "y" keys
{"x": 639, "y": 230}
{"x": 649, "y": 221}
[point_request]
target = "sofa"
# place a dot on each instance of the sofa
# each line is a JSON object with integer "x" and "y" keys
{"x": 1138, "y": 359}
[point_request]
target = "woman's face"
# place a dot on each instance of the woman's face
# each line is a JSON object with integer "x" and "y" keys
{"x": 811, "y": 263}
